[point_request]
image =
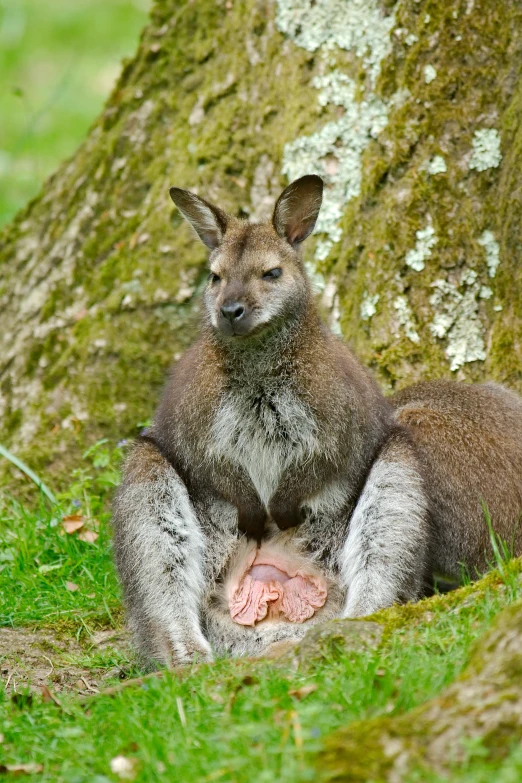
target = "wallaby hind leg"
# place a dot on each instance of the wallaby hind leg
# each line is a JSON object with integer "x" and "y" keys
{"x": 470, "y": 441}
{"x": 159, "y": 549}
{"x": 384, "y": 558}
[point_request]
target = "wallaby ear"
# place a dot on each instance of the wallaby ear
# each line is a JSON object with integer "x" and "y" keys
{"x": 209, "y": 222}
{"x": 297, "y": 208}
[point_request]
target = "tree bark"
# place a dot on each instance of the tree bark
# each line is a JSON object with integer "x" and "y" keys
{"x": 409, "y": 110}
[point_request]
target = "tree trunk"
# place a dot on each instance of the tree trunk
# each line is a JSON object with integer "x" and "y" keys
{"x": 409, "y": 110}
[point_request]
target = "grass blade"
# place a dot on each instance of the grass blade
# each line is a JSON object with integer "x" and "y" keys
{"x": 29, "y": 473}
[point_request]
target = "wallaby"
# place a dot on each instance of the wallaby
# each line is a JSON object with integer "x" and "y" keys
{"x": 277, "y": 485}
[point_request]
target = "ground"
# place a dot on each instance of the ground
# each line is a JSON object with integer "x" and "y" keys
{"x": 77, "y": 707}
{"x": 37, "y": 657}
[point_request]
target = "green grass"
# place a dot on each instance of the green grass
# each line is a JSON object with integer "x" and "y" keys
{"x": 234, "y": 721}
{"x": 238, "y": 721}
{"x": 476, "y": 768}
{"x": 38, "y": 558}
{"x": 58, "y": 60}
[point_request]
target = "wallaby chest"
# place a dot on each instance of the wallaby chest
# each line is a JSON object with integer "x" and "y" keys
{"x": 264, "y": 431}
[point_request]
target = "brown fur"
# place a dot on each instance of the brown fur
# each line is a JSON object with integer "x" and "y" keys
{"x": 296, "y": 351}
{"x": 469, "y": 438}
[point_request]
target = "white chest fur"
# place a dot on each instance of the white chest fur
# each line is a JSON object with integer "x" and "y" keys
{"x": 264, "y": 433}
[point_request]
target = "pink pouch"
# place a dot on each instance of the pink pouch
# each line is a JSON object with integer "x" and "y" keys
{"x": 275, "y": 584}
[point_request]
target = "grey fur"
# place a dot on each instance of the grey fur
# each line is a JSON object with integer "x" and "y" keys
{"x": 385, "y": 556}
{"x": 160, "y": 554}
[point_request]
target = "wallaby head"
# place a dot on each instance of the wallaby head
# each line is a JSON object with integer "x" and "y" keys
{"x": 257, "y": 279}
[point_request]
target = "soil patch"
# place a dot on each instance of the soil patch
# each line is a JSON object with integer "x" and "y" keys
{"x": 38, "y": 658}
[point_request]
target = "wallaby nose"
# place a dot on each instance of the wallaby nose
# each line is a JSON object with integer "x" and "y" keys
{"x": 233, "y": 312}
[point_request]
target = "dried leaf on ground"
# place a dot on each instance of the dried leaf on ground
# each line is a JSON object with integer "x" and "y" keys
{"x": 73, "y": 522}
{"x": 88, "y": 535}
{"x": 303, "y": 692}
{"x": 48, "y": 695}
{"x": 71, "y": 587}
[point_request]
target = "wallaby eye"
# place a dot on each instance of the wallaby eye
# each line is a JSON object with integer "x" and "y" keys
{"x": 214, "y": 278}
{"x": 272, "y": 274}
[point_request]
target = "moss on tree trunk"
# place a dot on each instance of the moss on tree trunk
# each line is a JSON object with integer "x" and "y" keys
{"x": 482, "y": 710}
{"x": 410, "y": 110}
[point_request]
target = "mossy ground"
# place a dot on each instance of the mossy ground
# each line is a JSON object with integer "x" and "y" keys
{"x": 470, "y": 730}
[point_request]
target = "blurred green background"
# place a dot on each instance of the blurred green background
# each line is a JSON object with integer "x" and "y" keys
{"x": 58, "y": 62}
